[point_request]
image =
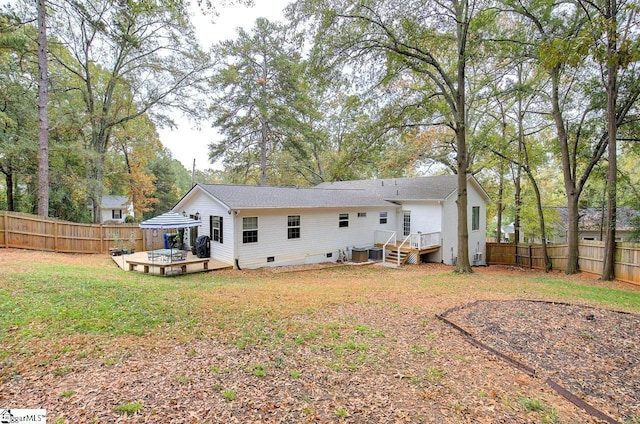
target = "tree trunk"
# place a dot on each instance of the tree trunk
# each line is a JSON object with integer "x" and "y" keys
{"x": 517, "y": 182}
{"x": 8, "y": 178}
{"x": 571, "y": 191}
{"x": 499, "y": 204}
{"x": 572, "y": 234}
{"x": 608, "y": 268}
{"x": 43, "y": 119}
{"x": 98, "y": 188}
{"x": 263, "y": 153}
{"x": 462, "y": 162}
{"x": 543, "y": 231}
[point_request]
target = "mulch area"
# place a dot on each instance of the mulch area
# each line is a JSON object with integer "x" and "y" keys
{"x": 595, "y": 353}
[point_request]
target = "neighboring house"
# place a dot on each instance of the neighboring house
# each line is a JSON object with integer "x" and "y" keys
{"x": 592, "y": 224}
{"x": 253, "y": 226}
{"x": 115, "y": 208}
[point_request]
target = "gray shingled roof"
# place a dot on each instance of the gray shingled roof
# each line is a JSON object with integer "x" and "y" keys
{"x": 590, "y": 219}
{"x": 395, "y": 189}
{"x": 264, "y": 197}
{"x": 115, "y": 202}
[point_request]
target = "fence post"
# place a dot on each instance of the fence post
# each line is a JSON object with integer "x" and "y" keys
{"x": 6, "y": 228}
{"x": 101, "y": 238}
{"x": 55, "y": 235}
{"x": 530, "y": 257}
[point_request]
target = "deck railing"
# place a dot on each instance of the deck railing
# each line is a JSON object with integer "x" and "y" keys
{"x": 420, "y": 240}
{"x": 415, "y": 241}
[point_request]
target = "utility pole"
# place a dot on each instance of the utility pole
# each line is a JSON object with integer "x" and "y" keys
{"x": 193, "y": 173}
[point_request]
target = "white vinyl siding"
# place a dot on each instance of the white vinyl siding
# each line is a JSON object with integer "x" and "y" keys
{"x": 206, "y": 207}
{"x": 477, "y": 237}
{"x": 319, "y": 236}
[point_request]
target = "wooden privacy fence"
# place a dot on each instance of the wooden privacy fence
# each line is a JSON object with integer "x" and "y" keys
{"x": 26, "y": 231}
{"x": 590, "y": 257}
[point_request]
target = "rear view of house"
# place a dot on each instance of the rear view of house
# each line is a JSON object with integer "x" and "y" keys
{"x": 253, "y": 227}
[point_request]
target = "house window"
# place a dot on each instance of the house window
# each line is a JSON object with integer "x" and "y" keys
{"x": 215, "y": 225}
{"x": 343, "y": 220}
{"x": 406, "y": 223}
{"x": 116, "y": 214}
{"x": 250, "y": 229}
{"x": 475, "y": 218}
{"x": 362, "y": 214}
{"x": 293, "y": 227}
{"x": 383, "y": 217}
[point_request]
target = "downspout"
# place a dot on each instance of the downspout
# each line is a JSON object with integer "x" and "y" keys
{"x": 234, "y": 214}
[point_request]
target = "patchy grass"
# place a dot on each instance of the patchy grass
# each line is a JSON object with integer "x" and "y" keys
{"x": 53, "y": 299}
{"x": 229, "y": 395}
{"x": 129, "y": 408}
{"x": 95, "y": 299}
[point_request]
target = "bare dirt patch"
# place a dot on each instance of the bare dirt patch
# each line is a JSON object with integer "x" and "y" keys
{"x": 377, "y": 354}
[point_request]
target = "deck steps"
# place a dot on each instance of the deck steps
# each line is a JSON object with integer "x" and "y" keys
{"x": 392, "y": 256}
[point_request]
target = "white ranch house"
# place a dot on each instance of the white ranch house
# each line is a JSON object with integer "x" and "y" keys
{"x": 253, "y": 226}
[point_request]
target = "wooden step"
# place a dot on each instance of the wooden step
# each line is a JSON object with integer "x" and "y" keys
{"x": 392, "y": 256}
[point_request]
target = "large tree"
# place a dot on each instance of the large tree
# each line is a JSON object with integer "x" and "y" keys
{"x": 43, "y": 118}
{"x": 555, "y": 43}
{"x": 261, "y": 102}
{"x": 18, "y": 115}
{"x": 614, "y": 28}
{"x": 559, "y": 41}
{"x": 424, "y": 44}
{"x": 129, "y": 58}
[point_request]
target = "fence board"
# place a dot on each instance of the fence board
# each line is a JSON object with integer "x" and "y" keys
{"x": 501, "y": 253}
{"x": 26, "y": 231}
{"x": 590, "y": 257}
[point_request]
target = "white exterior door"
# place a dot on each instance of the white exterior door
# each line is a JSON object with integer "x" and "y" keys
{"x": 406, "y": 223}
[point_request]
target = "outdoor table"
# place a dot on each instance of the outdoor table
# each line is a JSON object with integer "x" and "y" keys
{"x": 167, "y": 255}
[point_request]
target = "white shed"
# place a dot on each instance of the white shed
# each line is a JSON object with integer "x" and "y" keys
{"x": 115, "y": 208}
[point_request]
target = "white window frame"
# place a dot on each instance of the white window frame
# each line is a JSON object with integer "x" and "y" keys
{"x": 247, "y": 231}
{"x": 294, "y": 222}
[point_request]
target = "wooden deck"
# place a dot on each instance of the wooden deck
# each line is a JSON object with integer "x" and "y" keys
{"x": 139, "y": 262}
{"x": 400, "y": 255}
